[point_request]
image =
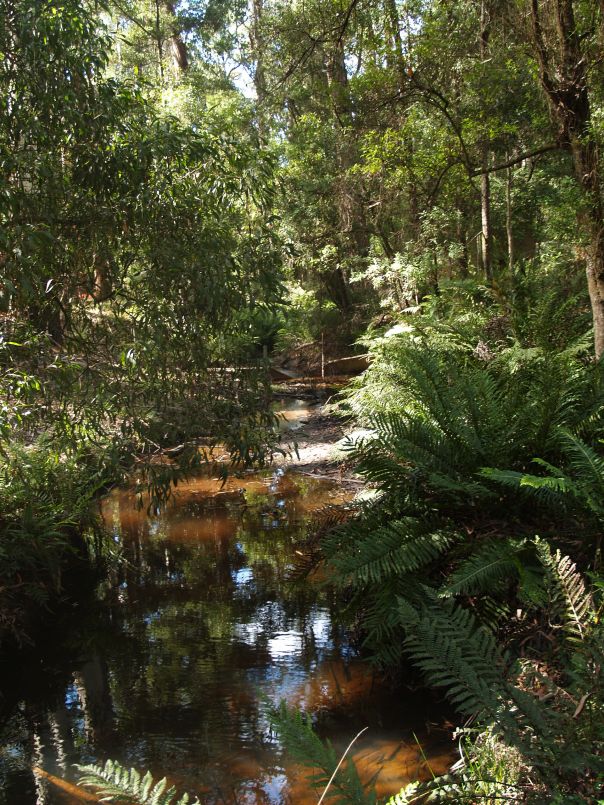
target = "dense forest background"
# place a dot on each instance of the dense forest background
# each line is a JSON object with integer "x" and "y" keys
{"x": 194, "y": 190}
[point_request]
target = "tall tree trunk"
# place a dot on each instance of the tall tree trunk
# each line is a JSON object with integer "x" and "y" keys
{"x": 591, "y": 224}
{"x": 258, "y": 50}
{"x": 398, "y": 64}
{"x": 486, "y": 238}
{"x": 178, "y": 49}
{"x": 563, "y": 68}
{"x": 159, "y": 41}
{"x": 351, "y": 213}
{"x": 509, "y": 228}
{"x": 396, "y": 48}
{"x": 463, "y": 261}
{"x": 485, "y": 183}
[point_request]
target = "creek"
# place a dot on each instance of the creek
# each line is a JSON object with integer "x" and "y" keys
{"x": 170, "y": 666}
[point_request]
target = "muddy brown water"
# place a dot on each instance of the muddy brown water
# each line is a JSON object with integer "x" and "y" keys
{"x": 204, "y": 625}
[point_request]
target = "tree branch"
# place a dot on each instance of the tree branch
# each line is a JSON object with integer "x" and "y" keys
{"x": 346, "y": 20}
{"x": 520, "y": 158}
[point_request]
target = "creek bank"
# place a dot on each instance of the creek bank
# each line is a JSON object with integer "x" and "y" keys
{"x": 312, "y": 437}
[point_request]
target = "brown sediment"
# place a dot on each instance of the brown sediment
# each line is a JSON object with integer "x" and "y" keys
{"x": 210, "y": 508}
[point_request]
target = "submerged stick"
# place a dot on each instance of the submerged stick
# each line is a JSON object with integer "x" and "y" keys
{"x": 68, "y": 788}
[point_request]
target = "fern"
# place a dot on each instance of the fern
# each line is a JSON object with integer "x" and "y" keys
{"x": 304, "y": 746}
{"x": 493, "y": 562}
{"x": 570, "y": 600}
{"x": 114, "y": 783}
{"x": 399, "y": 547}
{"x": 582, "y": 480}
{"x": 588, "y": 467}
{"x": 455, "y": 788}
{"x": 454, "y": 652}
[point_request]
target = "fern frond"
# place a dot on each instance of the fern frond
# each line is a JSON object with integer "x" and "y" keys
{"x": 382, "y": 623}
{"x": 446, "y": 642}
{"x": 114, "y": 783}
{"x": 401, "y": 547}
{"x": 492, "y": 563}
{"x": 571, "y": 601}
{"x": 549, "y": 489}
{"x": 588, "y": 466}
{"x": 444, "y": 788}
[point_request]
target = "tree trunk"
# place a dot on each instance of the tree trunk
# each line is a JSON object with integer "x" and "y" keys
{"x": 564, "y": 65}
{"x": 485, "y": 183}
{"x": 486, "y": 238}
{"x": 508, "y": 221}
{"x": 463, "y": 261}
{"x": 180, "y": 58}
{"x": 398, "y": 64}
{"x": 258, "y": 51}
{"x": 351, "y": 214}
{"x": 591, "y": 225}
{"x": 394, "y": 31}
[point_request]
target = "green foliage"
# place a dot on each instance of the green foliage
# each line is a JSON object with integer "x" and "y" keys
{"x": 304, "y": 746}
{"x": 439, "y": 518}
{"x": 447, "y": 643}
{"x": 540, "y": 727}
{"x": 47, "y": 523}
{"x": 444, "y": 567}
{"x": 133, "y": 245}
{"x": 570, "y": 601}
{"x": 457, "y": 653}
{"x": 114, "y": 783}
{"x": 575, "y": 490}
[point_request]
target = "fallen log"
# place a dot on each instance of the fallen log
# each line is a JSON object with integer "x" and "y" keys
{"x": 347, "y": 366}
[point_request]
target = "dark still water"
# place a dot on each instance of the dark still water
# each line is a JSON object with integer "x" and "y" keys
{"x": 168, "y": 670}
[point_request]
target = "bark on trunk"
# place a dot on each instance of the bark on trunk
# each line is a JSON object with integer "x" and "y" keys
{"x": 564, "y": 64}
{"x": 486, "y": 238}
{"x": 591, "y": 224}
{"x": 258, "y": 50}
{"x": 509, "y": 227}
{"x": 485, "y": 183}
{"x": 397, "y": 59}
{"x": 463, "y": 261}
{"x": 178, "y": 49}
{"x": 351, "y": 214}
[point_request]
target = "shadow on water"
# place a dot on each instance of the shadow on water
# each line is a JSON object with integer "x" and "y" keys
{"x": 167, "y": 669}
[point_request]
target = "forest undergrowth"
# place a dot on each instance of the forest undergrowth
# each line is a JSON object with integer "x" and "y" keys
{"x": 478, "y": 557}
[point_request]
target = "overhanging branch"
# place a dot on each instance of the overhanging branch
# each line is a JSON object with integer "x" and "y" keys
{"x": 520, "y": 158}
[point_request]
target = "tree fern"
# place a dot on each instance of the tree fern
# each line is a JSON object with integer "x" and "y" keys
{"x": 114, "y": 783}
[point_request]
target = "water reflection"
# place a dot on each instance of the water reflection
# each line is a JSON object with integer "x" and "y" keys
{"x": 200, "y": 624}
